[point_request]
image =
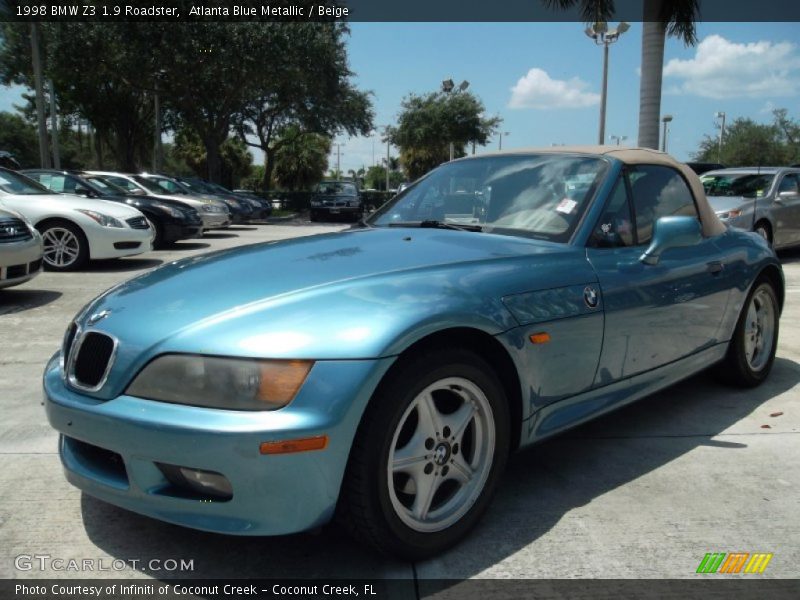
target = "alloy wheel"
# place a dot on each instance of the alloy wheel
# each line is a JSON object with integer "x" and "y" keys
{"x": 441, "y": 454}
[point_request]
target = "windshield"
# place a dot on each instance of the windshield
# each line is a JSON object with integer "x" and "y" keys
{"x": 149, "y": 184}
{"x": 541, "y": 196}
{"x": 336, "y": 188}
{"x": 106, "y": 187}
{"x": 197, "y": 186}
{"x": 13, "y": 183}
{"x": 749, "y": 185}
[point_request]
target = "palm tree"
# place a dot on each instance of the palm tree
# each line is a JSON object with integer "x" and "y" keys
{"x": 675, "y": 18}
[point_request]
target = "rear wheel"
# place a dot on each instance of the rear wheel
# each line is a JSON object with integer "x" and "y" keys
{"x": 428, "y": 455}
{"x": 65, "y": 246}
{"x": 751, "y": 352}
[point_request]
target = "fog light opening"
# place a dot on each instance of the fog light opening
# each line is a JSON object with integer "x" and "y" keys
{"x": 204, "y": 484}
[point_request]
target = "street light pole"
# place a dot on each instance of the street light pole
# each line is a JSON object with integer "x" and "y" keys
{"x": 720, "y": 115}
{"x": 388, "y": 145}
{"x": 665, "y": 119}
{"x": 602, "y": 36}
{"x": 500, "y": 142}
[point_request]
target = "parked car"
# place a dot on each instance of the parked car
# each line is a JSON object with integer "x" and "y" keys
{"x": 170, "y": 219}
{"x": 262, "y": 208}
{"x": 76, "y": 230}
{"x": 385, "y": 376}
{"x": 336, "y": 199}
{"x": 761, "y": 199}
{"x": 20, "y": 249}
{"x": 239, "y": 213}
{"x": 214, "y": 214}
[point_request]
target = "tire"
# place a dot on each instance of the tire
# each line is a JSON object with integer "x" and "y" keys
{"x": 441, "y": 481}
{"x": 313, "y": 216}
{"x": 751, "y": 352}
{"x": 158, "y": 240}
{"x": 65, "y": 246}
{"x": 763, "y": 229}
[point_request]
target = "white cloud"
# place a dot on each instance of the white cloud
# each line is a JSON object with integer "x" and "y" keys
{"x": 538, "y": 90}
{"x": 724, "y": 69}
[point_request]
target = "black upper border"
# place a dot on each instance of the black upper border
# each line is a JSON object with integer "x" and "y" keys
{"x": 377, "y": 10}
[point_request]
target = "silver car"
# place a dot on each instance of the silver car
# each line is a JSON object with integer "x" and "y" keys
{"x": 20, "y": 249}
{"x": 761, "y": 199}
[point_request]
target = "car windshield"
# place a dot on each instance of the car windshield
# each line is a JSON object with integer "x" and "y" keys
{"x": 13, "y": 183}
{"x": 106, "y": 187}
{"x": 336, "y": 188}
{"x": 149, "y": 184}
{"x": 749, "y": 185}
{"x": 541, "y": 196}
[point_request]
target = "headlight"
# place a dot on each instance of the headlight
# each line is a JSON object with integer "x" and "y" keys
{"x": 731, "y": 214}
{"x": 228, "y": 383}
{"x": 102, "y": 219}
{"x": 170, "y": 210}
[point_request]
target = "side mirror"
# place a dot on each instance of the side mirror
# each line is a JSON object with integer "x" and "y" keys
{"x": 672, "y": 232}
{"x": 786, "y": 195}
{"x": 138, "y": 192}
{"x": 82, "y": 191}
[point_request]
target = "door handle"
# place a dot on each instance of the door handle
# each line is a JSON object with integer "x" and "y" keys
{"x": 715, "y": 267}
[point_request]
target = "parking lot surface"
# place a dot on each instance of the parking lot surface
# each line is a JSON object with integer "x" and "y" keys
{"x": 644, "y": 492}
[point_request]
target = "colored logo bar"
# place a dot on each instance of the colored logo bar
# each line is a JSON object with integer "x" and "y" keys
{"x": 734, "y": 562}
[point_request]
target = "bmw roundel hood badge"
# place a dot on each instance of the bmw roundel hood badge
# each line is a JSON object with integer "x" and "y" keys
{"x": 97, "y": 317}
{"x": 590, "y": 296}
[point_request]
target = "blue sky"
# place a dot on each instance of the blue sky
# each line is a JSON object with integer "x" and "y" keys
{"x": 544, "y": 79}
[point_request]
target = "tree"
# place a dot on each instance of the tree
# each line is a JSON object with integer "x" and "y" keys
{"x": 301, "y": 160}
{"x": 661, "y": 18}
{"x": 109, "y": 94}
{"x": 18, "y": 137}
{"x": 311, "y": 91}
{"x": 376, "y": 178}
{"x": 235, "y": 159}
{"x": 429, "y": 124}
{"x": 749, "y": 144}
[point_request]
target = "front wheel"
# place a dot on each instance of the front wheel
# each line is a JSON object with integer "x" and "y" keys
{"x": 65, "y": 246}
{"x": 428, "y": 455}
{"x": 751, "y": 352}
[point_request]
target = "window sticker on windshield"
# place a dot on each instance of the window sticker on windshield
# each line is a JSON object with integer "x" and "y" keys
{"x": 566, "y": 206}
{"x": 759, "y": 193}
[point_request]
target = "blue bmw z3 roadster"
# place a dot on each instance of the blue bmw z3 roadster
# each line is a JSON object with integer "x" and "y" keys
{"x": 382, "y": 375}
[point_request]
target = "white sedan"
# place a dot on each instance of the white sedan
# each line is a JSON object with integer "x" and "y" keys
{"x": 20, "y": 249}
{"x": 74, "y": 229}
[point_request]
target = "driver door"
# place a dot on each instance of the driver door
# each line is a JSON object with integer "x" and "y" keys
{"x": 654, "y": 314}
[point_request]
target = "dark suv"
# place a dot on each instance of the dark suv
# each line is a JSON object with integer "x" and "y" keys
{"x": 336, "y": 199}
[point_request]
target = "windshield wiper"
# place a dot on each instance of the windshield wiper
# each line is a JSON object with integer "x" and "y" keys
{"x": 438, "y": 225}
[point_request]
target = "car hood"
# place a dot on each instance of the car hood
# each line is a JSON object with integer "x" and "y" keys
{"x": 727, "y": 203}
{"x": 354, "y": 294}
{"x": 61, "y": 202}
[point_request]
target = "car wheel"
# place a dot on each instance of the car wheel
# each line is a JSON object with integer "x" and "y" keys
{"x": 65, "y": 246}
{"x": 158, "y": 239}
{"x": 763, "y": 229}
{"x": 313, "y": 216}
{"x": 428, "y": 455}
{"x": 751, "y": 352}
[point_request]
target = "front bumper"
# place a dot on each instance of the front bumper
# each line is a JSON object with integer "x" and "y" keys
{"x": 215, "y": 220}
{"x": 272, "y": 494}
{"x": 20, "y": 261}
{"x": 116, "y": 242}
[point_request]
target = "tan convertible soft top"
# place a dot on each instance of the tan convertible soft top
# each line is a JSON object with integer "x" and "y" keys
{"x": 644, "y": 156}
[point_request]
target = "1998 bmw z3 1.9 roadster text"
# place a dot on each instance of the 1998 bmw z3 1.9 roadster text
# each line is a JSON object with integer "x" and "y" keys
{"x": 382, "y": 375}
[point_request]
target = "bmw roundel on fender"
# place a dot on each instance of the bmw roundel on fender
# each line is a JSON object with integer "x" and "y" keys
{"x": 406, "y": 357}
